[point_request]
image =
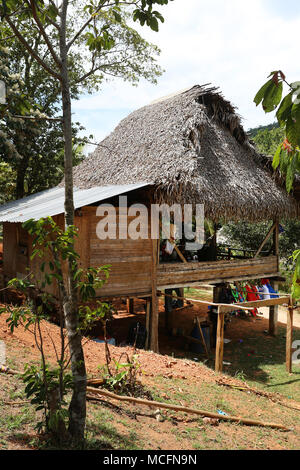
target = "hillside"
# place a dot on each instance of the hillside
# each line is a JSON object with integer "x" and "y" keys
{"x": 252, "y": 360}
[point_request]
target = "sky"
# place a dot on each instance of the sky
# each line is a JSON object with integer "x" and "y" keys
{"x": 232, "y": 44}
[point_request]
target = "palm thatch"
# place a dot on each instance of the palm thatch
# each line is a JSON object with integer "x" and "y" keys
{"x": 192, "y": 147}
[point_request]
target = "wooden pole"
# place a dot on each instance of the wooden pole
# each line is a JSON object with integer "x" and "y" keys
{"x": 273, "y": 315}
{"x": 266, "y": 239}
{"x": 276, "y": 239}
{"x": 202, "y": 337}
{"x": 148, "y": 313}
{"x": 130, "y": 306}
{"x": 279, "y": 300}
{"x": 157, "y": 404}
{"x": 154, "y": 303}
{"x": 289, "y": 336}
{"x": 176, "y": 297}
{"x": 220, "y": 341}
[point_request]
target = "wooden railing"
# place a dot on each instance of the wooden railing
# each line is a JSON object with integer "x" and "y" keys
{"x": 187, "y": 274}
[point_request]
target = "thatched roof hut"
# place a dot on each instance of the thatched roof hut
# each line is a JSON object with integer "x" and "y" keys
{"x": 192, "y": 147}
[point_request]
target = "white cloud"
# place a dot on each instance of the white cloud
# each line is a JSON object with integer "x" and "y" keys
{"x": 232, "y": 44}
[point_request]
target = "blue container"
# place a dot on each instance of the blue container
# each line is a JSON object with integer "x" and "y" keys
{"x": 199, "y": 348}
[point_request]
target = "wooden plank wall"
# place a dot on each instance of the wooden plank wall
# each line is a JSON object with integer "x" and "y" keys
{"x": 130, "y": 261}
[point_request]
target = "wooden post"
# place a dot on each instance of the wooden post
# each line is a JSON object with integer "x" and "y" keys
{"x": 154, "y": 303}
{"x": 214, "y": 242}
{"x": 289, "y": 336}
{"x": 148, "y": 314}
{"x": 273, "y": 315}
{"x": 216, "y": 293}
{"x": 130, "y": 306}
{"x": 202, "y": 337}
{"x": 266, "y": 239}
{"x": 276, "y": 238}
{"x": 276, "y": 242}
{"x": 220, "y": 341}
{"x": 273, "y": 310}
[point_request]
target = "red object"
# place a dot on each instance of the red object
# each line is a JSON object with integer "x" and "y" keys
{"x": 286, "y": 145}
{"x": 252, "y": 296}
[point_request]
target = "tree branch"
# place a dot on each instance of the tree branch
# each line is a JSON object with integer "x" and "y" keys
{"x": 92, "y": 17}
{"x": 31, "y": 5}
{"x": 31, "y": 51}
{"x": 35, "y": 118}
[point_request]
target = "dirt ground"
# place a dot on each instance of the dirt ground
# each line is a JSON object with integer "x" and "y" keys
{"x": 170, "y": 346}
{"x": 174, "y": 374}
{"x": 95, "y": 352}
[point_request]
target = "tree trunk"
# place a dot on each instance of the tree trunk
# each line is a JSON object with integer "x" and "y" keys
{"x": 77, "y": 409}
{"x": 21, "y": 171}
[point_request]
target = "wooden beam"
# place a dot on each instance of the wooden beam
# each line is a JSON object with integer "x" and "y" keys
{"x": 178, "y": 251}
{"x": 265, "y": 240}
{"x": 175, "y": 297}
{"x": 202, "y": 337}
{"x": 276, "y": 238}
{"x": 217, "y": 281}
{"x": 220, "y": 341}
{"x": 280, "y": 300}
{"x": 289, "y": 336}
{"x": 130, "y": 305}
{"x": 154, "y": 310}
{"x": 148, "y": 313}
{"x": 266, "y": 303}
{"x": 273, "y": 315}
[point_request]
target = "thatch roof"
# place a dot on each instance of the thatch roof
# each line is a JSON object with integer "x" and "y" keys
{"x": 193, "y": 147}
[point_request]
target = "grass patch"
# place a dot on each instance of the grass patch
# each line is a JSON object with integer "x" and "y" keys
{"x": 261, "y": 362}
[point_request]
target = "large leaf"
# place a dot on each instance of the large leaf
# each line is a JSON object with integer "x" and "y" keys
{"x": 292, "y": 131}
{"x": 291, "y": 172}
{"x": 273, "y": 96}
{"x": 261, "y": 93}
{"x": 285, "y": 108}
{"x": 276, "y": 159}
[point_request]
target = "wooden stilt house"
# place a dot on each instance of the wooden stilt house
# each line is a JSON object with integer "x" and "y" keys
{"x": 188, "y": 148}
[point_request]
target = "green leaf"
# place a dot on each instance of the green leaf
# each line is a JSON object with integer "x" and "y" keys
{"x": 285, "y": 108}
{"x": 261, "y": 93}
{"x": 273, "y": 96}
{"x": 296, "y": 119}
{"x": 290, "y": 175}
{"x": 292, "y": 131}
{"x": 276, "y": 158}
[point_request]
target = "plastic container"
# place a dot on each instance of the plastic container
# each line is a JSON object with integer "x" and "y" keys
{"x": 199, "y": 348}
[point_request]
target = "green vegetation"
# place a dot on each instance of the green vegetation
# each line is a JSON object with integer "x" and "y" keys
{"x": 250, "y": 235}
{"x": 287, "y": 156}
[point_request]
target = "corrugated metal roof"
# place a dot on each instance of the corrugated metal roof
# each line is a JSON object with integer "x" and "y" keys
{"x": 51, "y": 202}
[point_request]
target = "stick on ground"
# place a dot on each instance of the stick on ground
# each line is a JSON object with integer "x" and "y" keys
{"x": 236, "y": 419}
